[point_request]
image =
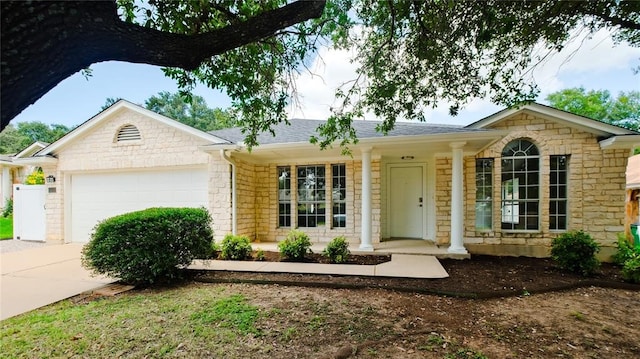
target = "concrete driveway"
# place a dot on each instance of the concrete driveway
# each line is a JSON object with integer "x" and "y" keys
{"x": 38, "y": 276}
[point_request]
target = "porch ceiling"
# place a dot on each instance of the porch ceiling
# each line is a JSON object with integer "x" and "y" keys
{"x": 386, "y": 147}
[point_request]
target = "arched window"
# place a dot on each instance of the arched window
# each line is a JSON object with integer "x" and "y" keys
{"x": 128, "y": 133}
{"x": 520, "y": 186}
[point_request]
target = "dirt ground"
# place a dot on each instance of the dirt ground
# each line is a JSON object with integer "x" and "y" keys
{"x": 493, "y": 307}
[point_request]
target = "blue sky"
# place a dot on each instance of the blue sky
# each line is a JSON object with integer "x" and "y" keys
{"x": 596, "y": 64}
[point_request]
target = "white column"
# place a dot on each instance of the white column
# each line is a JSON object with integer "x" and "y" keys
{"x": 365, "y": 236}
{"x": 457, "y": 201}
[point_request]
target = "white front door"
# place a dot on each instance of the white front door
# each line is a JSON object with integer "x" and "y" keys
{"x": 406, "y": 202}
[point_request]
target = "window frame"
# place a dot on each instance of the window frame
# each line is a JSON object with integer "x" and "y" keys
{"x": 487, "y": 188}
{"x": 520, "y": 203}
{"x": 340, "y": 177}
{"x": 314, "y": 190}
{"x": 284, "y": 198}
{"x": 557, "y": 199}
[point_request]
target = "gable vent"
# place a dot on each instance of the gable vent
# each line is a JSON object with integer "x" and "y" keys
{"x": 128, "y": 133}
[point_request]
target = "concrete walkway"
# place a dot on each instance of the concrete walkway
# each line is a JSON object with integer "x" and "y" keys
{"x": 35, "y": 277}
{"x": 401, "y": 265}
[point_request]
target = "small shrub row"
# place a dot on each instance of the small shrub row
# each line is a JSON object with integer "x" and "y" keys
{"x": 235, "y": 247}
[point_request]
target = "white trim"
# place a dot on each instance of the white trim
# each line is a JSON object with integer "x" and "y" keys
{"x": 31, "y": 150}
{"x": 456, "y": 244}
{"x": 234, "y": 195}
{"x": 38, "y": 160}
{"x": 586, "y": 123}
{"x": 620, "y": 142}
{"x": 118, "y": 106}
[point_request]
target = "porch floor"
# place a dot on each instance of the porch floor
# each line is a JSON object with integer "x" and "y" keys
{"x": 391, "y": 246}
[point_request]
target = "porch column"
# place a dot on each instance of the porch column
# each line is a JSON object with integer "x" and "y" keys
{"x": 457, "y": 200}
{"x": 7, "y": 187}
{"x": 365, "y": 236}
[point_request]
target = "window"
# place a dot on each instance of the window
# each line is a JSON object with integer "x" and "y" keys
{"x": 311, "y": 196}
{"x": 484, "y": 194}
{"x": 284, "y": 196}
{"x": 520, "y": 186}
{"x": 558, "y": 192}
{"x": 128, "y": 133}
{"x": 339, "y": 195}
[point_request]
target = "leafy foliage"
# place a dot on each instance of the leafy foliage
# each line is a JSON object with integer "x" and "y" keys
{"x": 337, "y": 250}
{"x": 235, "y": 247}
{"x": 295, "y": 246}
{"x": 623, "y": 111}
{"x": 576, "y": 252}
{"x": 36, "y": 177}
{"x": 8, "y": 208}
{"x": 191, "y": 110}
{"x": 628, "y": 256}
{"x": 149, "y": 246}
{"x": 15, "y": 139}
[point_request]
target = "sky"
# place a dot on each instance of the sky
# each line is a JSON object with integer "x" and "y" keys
{"x": 595, "y": 63}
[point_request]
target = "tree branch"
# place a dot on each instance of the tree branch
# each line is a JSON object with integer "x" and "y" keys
{"x": 43, "y": 43}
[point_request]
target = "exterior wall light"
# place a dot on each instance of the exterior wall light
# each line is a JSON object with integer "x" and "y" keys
{"x": 51, "y": 179}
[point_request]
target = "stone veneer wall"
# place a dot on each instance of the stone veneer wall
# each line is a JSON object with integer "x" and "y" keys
{"x": 266, "y": 203}
{"x": 443, "y": 199}
{"x": 161, "y": 146}
{"x": 596, "y": 188}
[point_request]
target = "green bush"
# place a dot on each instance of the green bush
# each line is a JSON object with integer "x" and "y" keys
{"x": 576, "y": 252}
{"x": 236, "y": 247}
{"x": 295, "y": 246}
{"x": 8, "y": 208}
{"x": 337, "y": 250}
{"x": 625, "y": 250}
{"x": 628, "y": 257}
{"x": 149, "y": 246}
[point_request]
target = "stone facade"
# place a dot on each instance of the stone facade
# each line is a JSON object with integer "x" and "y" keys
{"x": 596, "y": 188}
{"x": 160, "y": 147}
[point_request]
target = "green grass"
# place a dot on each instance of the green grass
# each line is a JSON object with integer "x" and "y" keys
{"x": 6, "y": 228}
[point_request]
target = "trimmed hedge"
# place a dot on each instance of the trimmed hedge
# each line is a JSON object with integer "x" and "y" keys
{"x": 149, "y": 246}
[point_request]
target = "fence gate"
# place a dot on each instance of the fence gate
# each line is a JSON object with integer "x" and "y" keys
{"x": 29, "y": 212}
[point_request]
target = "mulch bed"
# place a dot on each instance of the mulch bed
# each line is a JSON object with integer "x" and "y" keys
{"x": 478, "y": 277}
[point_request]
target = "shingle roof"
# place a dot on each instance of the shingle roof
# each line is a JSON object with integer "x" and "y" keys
{"x": 300, "y": 130}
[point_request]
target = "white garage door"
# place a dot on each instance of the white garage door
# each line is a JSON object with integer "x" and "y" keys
{"x": 95, "y": 197}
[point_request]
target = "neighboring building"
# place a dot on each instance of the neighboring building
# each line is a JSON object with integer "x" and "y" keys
{"x": 507, "y": 184}
{"x": 12, "y": 173}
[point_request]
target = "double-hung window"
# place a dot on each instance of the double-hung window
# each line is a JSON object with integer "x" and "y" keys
{"x": 484, "y": 194}
{"x": 339, "y": 195}
{"x": 558, "y": 194}
{"x": 284, "y": 196}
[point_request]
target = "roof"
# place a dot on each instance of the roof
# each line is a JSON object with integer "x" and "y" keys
{"x": 300, "y": 130}
{"x": 598, "y": 127}
{"x": 123, "y": 104}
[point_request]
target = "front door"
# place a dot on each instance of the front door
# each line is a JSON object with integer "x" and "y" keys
{"x": 406, "y": 202}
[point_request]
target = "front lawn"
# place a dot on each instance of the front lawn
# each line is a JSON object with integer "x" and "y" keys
{"x": 225, "y": 320}
{"x": 6, "y": 228}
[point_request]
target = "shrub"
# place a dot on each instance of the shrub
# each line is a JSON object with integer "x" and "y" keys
{"x": 260, "y": 255}
{"x": 337, "y": 250}
{"x": 236, "y": 247}
{"x": 625, "y": 250}
{"x": 628, "y": 257}
{"x": 36, "y": 177}
{"x": 631, "y": 269}
{"x": 295, "y": 246}
{"x": 8, "y": 208}
{"x": 149, "y": 246}
{"x": 576, "y": 252}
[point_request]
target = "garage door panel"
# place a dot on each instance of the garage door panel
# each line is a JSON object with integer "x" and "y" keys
{"x": 95, "y": 197}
